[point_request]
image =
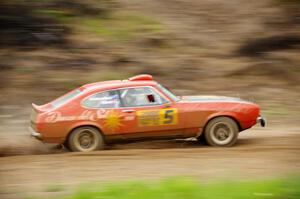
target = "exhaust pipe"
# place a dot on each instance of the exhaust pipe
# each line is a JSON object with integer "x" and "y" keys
{"x": 261, "y": 120}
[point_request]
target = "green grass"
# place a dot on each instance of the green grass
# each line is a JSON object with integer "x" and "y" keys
{"x": 55, "y": 13}
{"x": 117, "y": 26}
{"x": 190, "y": 188}
{"x": 121, "y": 25}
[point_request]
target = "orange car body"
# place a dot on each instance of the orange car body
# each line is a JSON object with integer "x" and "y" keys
{"x": 180, "y": 117}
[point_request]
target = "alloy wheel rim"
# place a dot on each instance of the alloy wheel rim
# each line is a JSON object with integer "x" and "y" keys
{"x": 222, "y": 133}
{"x": 86, "y": 140}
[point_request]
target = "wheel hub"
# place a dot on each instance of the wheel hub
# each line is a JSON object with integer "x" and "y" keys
{"x": 221, "y": 132}
{"x": 85, "y": 140}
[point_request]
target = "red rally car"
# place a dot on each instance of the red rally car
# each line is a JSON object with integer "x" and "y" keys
{"x": 88, "y": 117}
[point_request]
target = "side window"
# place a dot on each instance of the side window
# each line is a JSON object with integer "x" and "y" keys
{"x": 140, "y": 96}
{"x": 108, "y": 99}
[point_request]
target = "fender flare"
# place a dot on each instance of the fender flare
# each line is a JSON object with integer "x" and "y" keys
{"x": 82, "y": 124}
{"x": 222, "y": 114}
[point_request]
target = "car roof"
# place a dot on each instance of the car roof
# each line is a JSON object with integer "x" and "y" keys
{"x": 139, "y": 80}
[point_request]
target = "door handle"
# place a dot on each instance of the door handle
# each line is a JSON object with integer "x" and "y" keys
{"x": 167, "y": 106}
{"x": 128, "y": 111}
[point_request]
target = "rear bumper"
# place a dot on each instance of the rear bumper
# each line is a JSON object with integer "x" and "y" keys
{"x": 261, "y": 120}
{"x": 35, "y": 134}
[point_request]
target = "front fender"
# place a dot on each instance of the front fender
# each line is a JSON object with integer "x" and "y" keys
{"x": 232, "y": 115}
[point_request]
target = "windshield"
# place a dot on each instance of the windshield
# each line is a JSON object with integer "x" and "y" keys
{"x": 66, "y": 98}
{"x": 168, "y": 92}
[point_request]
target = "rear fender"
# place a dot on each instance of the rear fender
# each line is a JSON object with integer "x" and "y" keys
{"x": 83, "y": 123}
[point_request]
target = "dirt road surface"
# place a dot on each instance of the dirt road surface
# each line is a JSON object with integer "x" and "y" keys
{"x": 268, "y": 152}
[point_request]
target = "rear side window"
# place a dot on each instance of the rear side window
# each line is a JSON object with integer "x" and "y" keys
{"x": 66, "y": 98}
{"x": 108, "y": 99}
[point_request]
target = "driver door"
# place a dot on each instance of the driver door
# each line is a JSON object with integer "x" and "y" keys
{"x": 146, "y": 113}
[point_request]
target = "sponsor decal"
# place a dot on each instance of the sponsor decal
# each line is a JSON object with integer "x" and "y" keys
{"x": 157, "y": 117}
{"x": 113, "y": 101}
{"x": 53, "y": 117}
{"x": 112, "y": 120}
{"x": 56, "y": 116}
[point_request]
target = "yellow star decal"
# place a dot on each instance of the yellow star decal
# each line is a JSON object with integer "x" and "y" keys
{"x": 112, "y": 120}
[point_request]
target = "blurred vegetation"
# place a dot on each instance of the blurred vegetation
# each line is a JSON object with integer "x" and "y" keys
{"x": 48, "y": 22}
{"x": 262, "y": 46}
{"x": 121, "y": 26}
{"x": 185, "y": 187}
{"x": 194, "y": 47}
{"x": 22, "y": 27}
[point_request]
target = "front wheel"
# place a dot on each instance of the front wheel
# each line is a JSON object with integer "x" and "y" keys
{"x": 85, "y": 139}
{"x": 221, "y": 131}
{"x": 201, "y": 139}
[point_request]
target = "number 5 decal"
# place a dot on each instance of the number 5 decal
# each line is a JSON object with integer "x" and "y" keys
{"x": 157, "y": 117}
{"x": 168, "y": 116}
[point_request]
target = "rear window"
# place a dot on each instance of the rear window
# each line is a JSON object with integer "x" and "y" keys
{"x": 66, "y": 98}
{"x": 108, "y": 99}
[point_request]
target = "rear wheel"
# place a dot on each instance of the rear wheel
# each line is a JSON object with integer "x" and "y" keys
{"x": 66, "y": 145}
{"x": 221, "y": 131}
{"x": 85, "y": 139}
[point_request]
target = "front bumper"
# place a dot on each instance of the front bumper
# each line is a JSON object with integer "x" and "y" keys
{"x": 261, "y": 120}
{"x": 35, "y": 134}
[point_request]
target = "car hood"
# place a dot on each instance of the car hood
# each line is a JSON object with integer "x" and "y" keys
{"x": 208, "y": 98}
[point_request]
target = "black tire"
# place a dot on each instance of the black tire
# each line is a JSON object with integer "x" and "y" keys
{"x": 221, "y": 131}
{"x": 201, "y": 139}
{"x": 66, "y": 145}
{"x": 85, "y": 139}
